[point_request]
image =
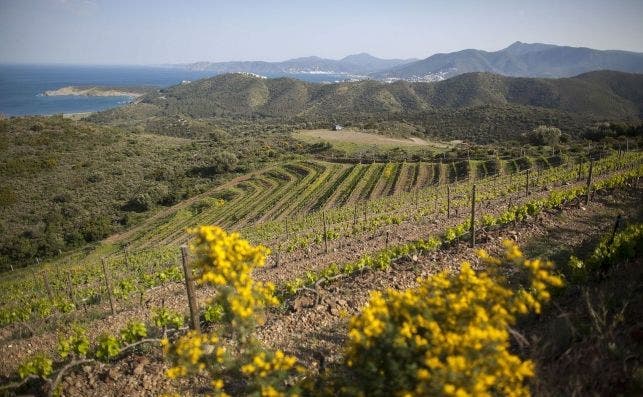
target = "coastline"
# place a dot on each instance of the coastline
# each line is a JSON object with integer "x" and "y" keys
{"x": 77, "y": 115}
{"x": 96, "y": 91}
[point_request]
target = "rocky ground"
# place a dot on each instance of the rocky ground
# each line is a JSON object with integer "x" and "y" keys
{"x": 22, "y": 340}
{"x": 313, "y": 327}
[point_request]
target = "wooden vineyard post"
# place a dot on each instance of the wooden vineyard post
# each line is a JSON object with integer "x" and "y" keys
{"x": 58, "y": 275}
{"x": 355, "y": 216}
{"x": 473, "y": 216}
{"x": 527, "y": 184}
{"x": 448, "y": 201}
{"x": 365, "y": 207}
{"x": 589, "y": 182}
{"x": 70, "y": 289}
{"x": 107, "y": 285}
{"x": 35, "y": 279}
{"x": 287, "y": 230}
{"x": 325, "y": 234}
{"x": 616, "y": 226}
{"x": 277, "y": 258}
{"x": 45, "y": 280}
{"x": 386, "y": 242}
{"x": 189, "y": 287}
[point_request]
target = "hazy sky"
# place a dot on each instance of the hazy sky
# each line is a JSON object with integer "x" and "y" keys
{"x": 163, "y": 31}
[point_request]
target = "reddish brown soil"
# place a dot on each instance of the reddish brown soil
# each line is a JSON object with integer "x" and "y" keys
{"x": 315, "y": 323}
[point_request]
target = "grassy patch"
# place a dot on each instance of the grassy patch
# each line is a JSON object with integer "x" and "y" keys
{"x": 355, "y": 142}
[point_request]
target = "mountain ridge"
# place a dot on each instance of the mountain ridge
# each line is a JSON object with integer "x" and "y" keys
{"x": 355, "y": 65}
{"x": 517, "y": 60}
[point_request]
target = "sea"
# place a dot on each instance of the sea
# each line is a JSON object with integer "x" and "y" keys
{"x": 22, "y": 86}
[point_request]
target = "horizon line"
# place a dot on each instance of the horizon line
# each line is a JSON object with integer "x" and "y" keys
{"x": 183, "y": 63}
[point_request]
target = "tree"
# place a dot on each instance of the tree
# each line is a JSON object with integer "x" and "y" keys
{"x": 139, "y": 203}
{"x": 545, "y": 135}
{"x": 225, "y": 161}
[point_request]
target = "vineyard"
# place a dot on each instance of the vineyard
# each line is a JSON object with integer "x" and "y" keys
{"x": 322, "y": 221}
{"x": 294, "y": 190}
{"x": 187, "y": 210}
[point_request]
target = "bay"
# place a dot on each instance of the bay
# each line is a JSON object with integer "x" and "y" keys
{"x": 22, "y": 86}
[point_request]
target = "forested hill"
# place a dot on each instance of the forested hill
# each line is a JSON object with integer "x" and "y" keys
{"x": 600, "y": 95}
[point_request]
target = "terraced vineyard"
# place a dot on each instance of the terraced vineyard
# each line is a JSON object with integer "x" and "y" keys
{"x": 293, "y": 190}
{"x": 280, "y": 207}
{"x": 315, "y": 223}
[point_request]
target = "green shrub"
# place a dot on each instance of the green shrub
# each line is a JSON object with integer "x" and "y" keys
{"x": 108, "y": 347}
{"x": 133, "y": 332}
{"x": 76, "y": 344}
{"x": 38, "y": 365}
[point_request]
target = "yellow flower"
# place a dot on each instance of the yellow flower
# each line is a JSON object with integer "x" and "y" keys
{"x": 512, "y": 252}
{"x": 176, "y": 372}
{"x": 248, "y": 369}
{"x": 226, "y": 261}
{"x": 453, "y": 328}
{"x": 269, "y": 391}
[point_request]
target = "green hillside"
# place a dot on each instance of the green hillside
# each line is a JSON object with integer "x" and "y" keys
{"x": 480, "y": 107}
{"x": 599, "y": 95}
{"x": 67, "y": 183}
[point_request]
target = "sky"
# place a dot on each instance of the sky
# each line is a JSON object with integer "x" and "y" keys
{"x": 152, "y": 32}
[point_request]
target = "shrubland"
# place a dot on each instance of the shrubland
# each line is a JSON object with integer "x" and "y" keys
{"x": 67, "y": 183}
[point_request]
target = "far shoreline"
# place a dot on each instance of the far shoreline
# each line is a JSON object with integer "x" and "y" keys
{"x": 99, "y": 91}
{"x": 77, "y": 115}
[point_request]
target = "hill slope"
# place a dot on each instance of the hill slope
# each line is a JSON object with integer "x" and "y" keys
{"x": 598, "y": 95}
{"x": 65, "y": 183}
{"x": 519, "y": 59}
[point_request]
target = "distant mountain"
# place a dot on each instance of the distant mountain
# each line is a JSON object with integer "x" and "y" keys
{"x": 352, "y": 66}
{"x": 604, "y": 95}
{"x": 370, "y": 64}
{"x": 519, "y": 60}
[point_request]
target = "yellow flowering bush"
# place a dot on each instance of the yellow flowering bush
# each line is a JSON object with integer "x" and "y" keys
{"x": 226, "y": 261}
{"x": 270, "y": 368}
{"x": 450, "y": 335}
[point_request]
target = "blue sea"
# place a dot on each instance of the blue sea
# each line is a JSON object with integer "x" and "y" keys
{"x": 21, "y": 86}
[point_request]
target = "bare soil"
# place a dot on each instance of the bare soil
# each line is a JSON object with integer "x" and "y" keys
{"x": 348, "y": 136}
{"x": 314, "y": 325}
